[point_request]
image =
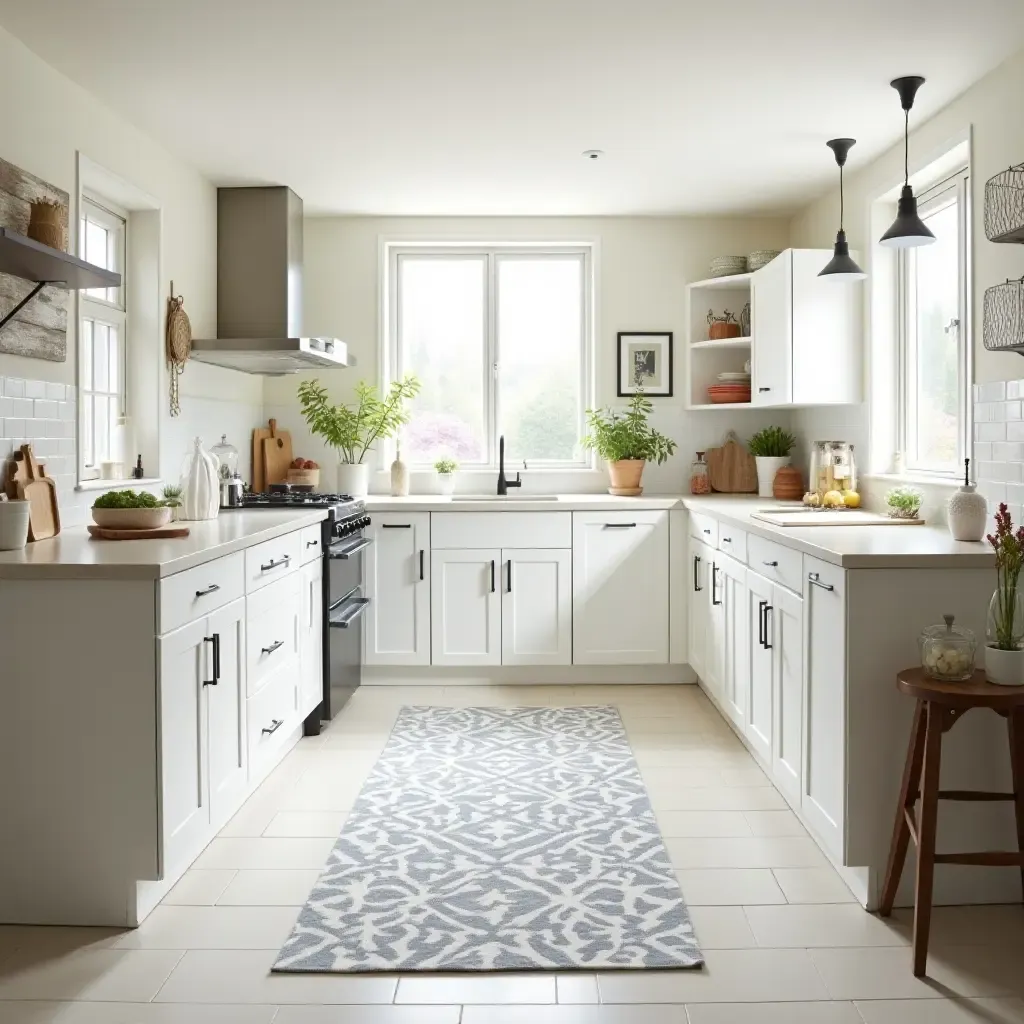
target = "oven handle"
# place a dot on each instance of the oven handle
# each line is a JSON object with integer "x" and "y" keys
{"x": 345, "y": 613}
{"x": 339, "y": 551}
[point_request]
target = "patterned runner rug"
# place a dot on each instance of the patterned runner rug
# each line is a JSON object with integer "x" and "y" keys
{"x": 489, "y": 839}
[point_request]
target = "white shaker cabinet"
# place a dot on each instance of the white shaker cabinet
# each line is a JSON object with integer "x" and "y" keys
{"x": 760, "y": 610}
{"x": 620, "y": 580}
{"x": 697, "y": 633}
{"x": 225, "y": 704}
{"x": 465, "y": 607}
{"x": 730, "y": 591}
{"x": 785, "y": 633}
{"x": 396, "y": 579}
{"x": 536, "y": 607}
{"x": 311, "y": 641}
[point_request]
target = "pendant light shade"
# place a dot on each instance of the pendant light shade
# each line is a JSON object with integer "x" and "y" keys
{"x": 907, "y": 230}
{"x": 842, "y": 266}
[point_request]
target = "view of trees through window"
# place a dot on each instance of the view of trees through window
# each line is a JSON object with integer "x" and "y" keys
{"x": 497, "y": 339}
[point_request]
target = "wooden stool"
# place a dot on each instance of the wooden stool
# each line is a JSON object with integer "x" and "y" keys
{"x": 939, "y": 706}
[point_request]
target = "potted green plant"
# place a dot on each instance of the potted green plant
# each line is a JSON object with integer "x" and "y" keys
{"x": 446, "y": 469}
{"x": 770, "y": 448}
{"x": 903, "y": 502}
{"x": 352, "y": 430}
{"x": 1004, "y": 648}
{"x": 172, "y": 499}
{"x": 627, "y": 442}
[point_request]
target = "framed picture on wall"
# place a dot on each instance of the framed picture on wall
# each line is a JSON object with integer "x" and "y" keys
{"x": 646, "y": 355}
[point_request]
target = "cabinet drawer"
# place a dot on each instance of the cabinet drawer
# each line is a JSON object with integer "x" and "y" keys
{"x": 271, "y": 560}
{"x": 188, "y": 595}
{"x": 500, "y": 530}
{"x": 733, "y": 541}
{"x": 270, "y": 717}
{"x": 311, "y": 544}
{"x": 775, "y": 562}
{"x": 272, "y": 630}
{"x": 704, "y": 528}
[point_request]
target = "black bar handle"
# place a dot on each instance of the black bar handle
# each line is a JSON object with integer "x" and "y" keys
{"x": 771, "y": 565}
{"x": 620, "y": 526}
{"x": 707, "y": 531}
{"x": 339, "y": 550}
{"x": 211, "y": 589}
{"x": 697, "y": 588}
{"x": 213, "y": 640}
{"x": 312, "y": 543}
{"x": 815, "y": 580}
{"x": 274, "y": 564}
{"x": 768, "y": 608}
{"x": 277, "y": 723}
{"x": 762, "y": 390}
{"x": 273, "y": 647}
{"x": 761, "y": 605}
{"x": 714, "y": 584}
{"x": 421, "y": 565}
{"x": 727, "y": 540}
{"x": 492, "y": 575}
{"x": 396, "y": 526}
{"x": 510, "y": 575}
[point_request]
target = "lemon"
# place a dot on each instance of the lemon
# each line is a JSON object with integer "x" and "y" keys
{"x": 851, "y": 499}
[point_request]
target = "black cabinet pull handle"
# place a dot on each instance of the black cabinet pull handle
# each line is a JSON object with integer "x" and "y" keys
{"x": 276, "y": 724}
{"x": 421, "y": 564}
{"x": 620, "y": 526}
{"x": 272, "y": 564}
{"x": 510, "y": 575}
{"x": 211, "y": 589}
{"x": 815, "y": 580}
{"x": 727, "y": 540}
{"x": 396, "y": 526}
{"x": 707, "y": 532}
{"x": 697, "y": 588}
{"x": 761, "y": 605}
{"x": 312, "y": 543}
{"x": 214, "y": 641}
{"x": 764, "y": 389}
{"x": 714, "y": 584}
{"x": 273, "y": 647}
{"x": 771, "y": 565}
{"x": 492, "y": 575}
{"x": 768, "y": 608}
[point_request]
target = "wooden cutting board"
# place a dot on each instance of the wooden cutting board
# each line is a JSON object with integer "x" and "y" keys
{"x": 732, "y": 468}
{"x": 259, "y": 435}
{"x": 277, "y": 455}
{"x": 160, "y": 533}
{"x": 41, "y": 494}
{"x": 17, "y": 473}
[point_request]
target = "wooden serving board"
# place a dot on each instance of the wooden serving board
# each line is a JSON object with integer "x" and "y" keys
{"x": 160, "y": 533}
{"x": 732, "y": 468}
{"x": 850, "y": 517}
{"x": 259, "y": 435}
{"x": 277, "y": 457}
{"x": 35, "y": 487}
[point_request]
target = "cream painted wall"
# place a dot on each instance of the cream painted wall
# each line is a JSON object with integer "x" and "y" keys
{"x": 643, "y": 267}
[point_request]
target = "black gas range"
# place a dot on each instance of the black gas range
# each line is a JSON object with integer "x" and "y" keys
{"x": 343, "y": 543}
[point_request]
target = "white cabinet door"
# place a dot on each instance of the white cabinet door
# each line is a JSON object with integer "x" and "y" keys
{"x": 824, "y": 777}
{"x": 736, "y": 674}
{"x": 620, "y": 588}
{"x": 186, "y": 664}
{"x": 396, "y": 579}
{"x": 761, "y": 612}
{"x": 465, "y": 607}
{"x": 714, "y": 653}
{"x": 225, "y": 708}
{"x": 699, "y": 566}
{"x": 311, "y": 638}
{"x": 786, "y": 635}
{"x": 771, "y": 318}
{"x": 536, "y": 612}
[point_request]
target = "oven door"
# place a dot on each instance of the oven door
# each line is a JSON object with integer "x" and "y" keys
{"x": 345, "y": 566}
{"x": 345, "y": 646}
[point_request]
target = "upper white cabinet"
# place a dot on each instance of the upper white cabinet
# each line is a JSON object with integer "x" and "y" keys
{"x": 396, "y": 579}
{"x": 536, "y": 607}
{"x": 620, "y": 572}
{"x": 465, "y": 606}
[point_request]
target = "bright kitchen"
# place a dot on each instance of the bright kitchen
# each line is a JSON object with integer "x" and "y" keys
{"x": 571, "y": 434}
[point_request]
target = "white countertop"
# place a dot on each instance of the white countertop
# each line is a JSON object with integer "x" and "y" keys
{"x": 73, "y": 554}
{"x": 517, "y": 502}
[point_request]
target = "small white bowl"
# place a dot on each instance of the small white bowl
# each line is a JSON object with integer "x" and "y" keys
{"x": 131, "y": 518}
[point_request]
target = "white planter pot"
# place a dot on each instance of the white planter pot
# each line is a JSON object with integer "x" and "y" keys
{"x": 767, "y": 467}
{"x": 13, "y": 525}
{"x": 445, "y": 483}
{"x": 1006, "y": 668}
{"x": 354, "y": 479}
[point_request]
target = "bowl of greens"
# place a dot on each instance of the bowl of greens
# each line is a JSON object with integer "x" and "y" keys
{"x": 130, "y": 510}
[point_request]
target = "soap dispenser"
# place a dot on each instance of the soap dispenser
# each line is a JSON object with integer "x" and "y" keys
{"x": 967, "y": 513}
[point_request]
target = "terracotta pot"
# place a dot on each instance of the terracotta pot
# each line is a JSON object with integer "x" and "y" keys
{"x": 788, "y": 484}
{"x": 625, "y": 477}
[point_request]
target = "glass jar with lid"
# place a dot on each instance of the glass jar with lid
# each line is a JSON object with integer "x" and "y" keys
{"x": 947, "y": 651}
{"x": 700, "y": 480}
{"x": 227, "y": 458}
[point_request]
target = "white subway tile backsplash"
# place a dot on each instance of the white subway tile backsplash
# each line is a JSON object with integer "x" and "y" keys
{"x": 13, "y": 387}
{"x": 993, "y": 392}
{"x": 45, "y": 409}
{"x": 35, "y": 389}
{"x": 1015, "y": 493}
{"x": 1015, "y": 431}
{"x": 984, "y": 412}
{"x": 57, "y": 392}
{"x": 1015, "y": 389}
{"x": 1011, "y": 410}
{"x": 990, "y": 431}
{"x": 1008, "y": 451}
{"x": 993, "y": 491}
{"x": 982, "y": 451}
{"x": 66, "y": 410}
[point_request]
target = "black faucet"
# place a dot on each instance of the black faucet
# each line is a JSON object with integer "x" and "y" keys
{"x": 503, "y": 484}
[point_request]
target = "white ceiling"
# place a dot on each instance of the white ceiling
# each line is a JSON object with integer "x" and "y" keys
{"x": 484, "y": 106}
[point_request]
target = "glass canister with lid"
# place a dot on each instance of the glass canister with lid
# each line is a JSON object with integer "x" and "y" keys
{"x": 947, "y": 651}
{"x": 833, "y": 476}
{"x": 227, "y": 458}
{"x": 700, "y": 480}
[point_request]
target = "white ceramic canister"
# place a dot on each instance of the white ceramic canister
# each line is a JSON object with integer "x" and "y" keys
{"x": 399, "y": 475}
{"x": 13, "y": 525}
{"x": 200, "y": 485}
{"x": 967, "y": 512}
{"x": 353, "y": 479}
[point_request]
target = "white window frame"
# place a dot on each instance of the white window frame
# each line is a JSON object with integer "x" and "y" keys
{"x": 957, "y": 185}
{"x": 493, "y": 254}
{"x": 111, "y": 312}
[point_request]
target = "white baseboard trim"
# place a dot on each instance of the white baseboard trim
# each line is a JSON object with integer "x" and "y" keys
{"x": 527, "y": 675}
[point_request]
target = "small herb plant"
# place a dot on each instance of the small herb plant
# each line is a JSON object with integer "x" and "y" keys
{"x": 771, "y": 443}
{"x": 446, "y": 465}
{"x": 617, "y": 436}
{"x": 1004, "y": 616}
{"x": 172, "y": 496}
{"x": 903, "y": 502}
{"x": 128, "y": 499}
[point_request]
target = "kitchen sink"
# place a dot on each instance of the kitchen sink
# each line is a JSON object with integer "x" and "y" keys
{"x": 505, "y": 497}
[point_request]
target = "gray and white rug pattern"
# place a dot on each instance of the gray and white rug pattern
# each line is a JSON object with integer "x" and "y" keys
{"x": 498, "y": 839}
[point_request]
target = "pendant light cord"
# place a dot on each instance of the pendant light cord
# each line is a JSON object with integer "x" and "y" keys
{"x": 906, "y": 147}
{"x": 842, "y": 204}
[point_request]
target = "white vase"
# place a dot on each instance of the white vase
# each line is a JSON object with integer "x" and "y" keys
{"x": 200, "y": 497}
{"x": 967, "y": 514}
{"x": 445, "y": 483}
{"x": 1005, "y": 668}
{"x": 353, "y": 479}
{"x": 399, "y": 476}
{"x": 767, "y": 467}
{"x": 13, "y": 525}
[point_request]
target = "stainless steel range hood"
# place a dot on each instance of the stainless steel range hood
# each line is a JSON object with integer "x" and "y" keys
{"x": 259, "y": 288}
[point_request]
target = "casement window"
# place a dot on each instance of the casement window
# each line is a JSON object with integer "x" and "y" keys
{"x": 499, "y": 338}
{"x": 101, "y": 337}
{"x": 934, "y": 335}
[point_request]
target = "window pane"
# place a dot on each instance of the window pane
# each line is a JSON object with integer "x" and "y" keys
{"x": 113, "y": 360}
{"x": 100, "y": 356}
{"x": 88, "y": 451}
{"x": 441, "y": 341}
{"x": 101, "y": 429}
{"x": 87, "y": 326}
{"x": 933, "y": 353}
{"x": 540, "y": 328}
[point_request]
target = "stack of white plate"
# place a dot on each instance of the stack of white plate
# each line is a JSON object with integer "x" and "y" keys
{"x": 725, "y": 266}
{"x": 733, "y": 378}
{"x": 760, "y": 258}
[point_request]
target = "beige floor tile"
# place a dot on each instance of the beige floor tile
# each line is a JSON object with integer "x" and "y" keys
{"x": 996, "y": 924}
{"x": 745, "y": 852}
{"x": 582, "y": 1014}
{"x": 729, "y": 976}
{"x": 131, "y": 1013}
{"x": 773, "y": 1013}
{"x": 945, "y": 1011}
{"x": 255, "y": 814}
{"x": 660, "y": 730}
{"x": 837, "y": 924}
{"x": 722, "y": 927}
{"x": 269, "y": 888}
{"x": 243, "y": 976}
{"x": 699, "y": 758}
{"x": 744, "y": 777}
{"x": 729, "y": 886}
{"x": 715, "y": 798}
{"x": 813, "y": 885}
{"x": 105, "y": 975}
{"x": 366, "y": 1015}
{"x": 886, "y": 973}
{"x": 577, "y": 988}
{"x": 774, "y": 823}
{"x": 494, "y": 988}
{"x": 265, "y": 853}
{"x": 199, "y": 888}
{"x": 689, "y": 824}
{"x": 56, "y": 940}
{"x": 212, "y": 928}
{"x": 316, "y": 792}
{"x": 307, "y": 824}
{"x": 665, "y": 781}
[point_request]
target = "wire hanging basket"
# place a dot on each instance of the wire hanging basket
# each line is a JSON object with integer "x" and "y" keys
{"x": 1004, "y": 206}
{"x": 1003, "y": 317}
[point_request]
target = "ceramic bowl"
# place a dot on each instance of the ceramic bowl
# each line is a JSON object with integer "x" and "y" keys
{"x": 131, "y": 518}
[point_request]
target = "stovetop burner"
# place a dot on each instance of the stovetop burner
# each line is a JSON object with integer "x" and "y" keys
{"x": 288, "y": 499}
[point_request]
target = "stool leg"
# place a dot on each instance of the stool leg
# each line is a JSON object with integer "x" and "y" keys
{"x": 926, "y": 837}
{"x": 1015, "y": 723}
{"x": 908, "y": 797}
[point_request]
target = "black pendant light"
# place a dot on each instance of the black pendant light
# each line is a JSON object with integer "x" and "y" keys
{"x": 842, "y": 266}
{"x": 908, "y": 230}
